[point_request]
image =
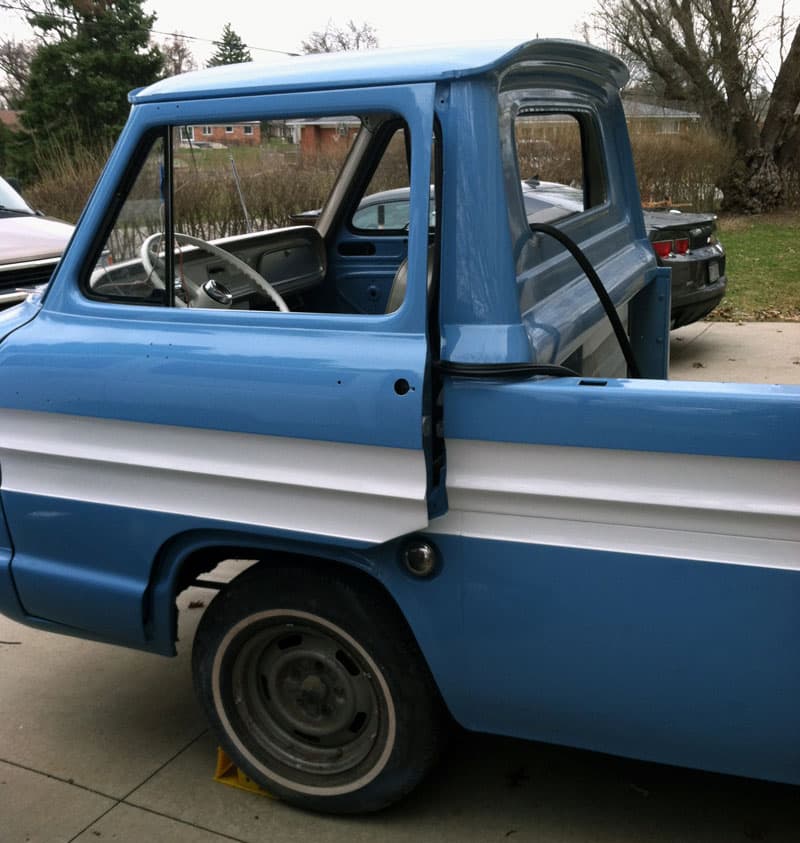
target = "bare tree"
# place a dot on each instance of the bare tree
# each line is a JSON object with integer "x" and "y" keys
{"x": 709, "y": 53}
{"x": 15, "y": 63}
{"x": 334, "y": 38}
{"x": 178, "y": 57}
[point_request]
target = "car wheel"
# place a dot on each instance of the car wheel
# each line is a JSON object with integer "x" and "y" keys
{"x": 317, "y": 689}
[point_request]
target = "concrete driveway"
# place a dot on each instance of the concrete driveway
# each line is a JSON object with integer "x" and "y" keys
{"x": 101, "y": 743}
{"x": 744, "y": 352}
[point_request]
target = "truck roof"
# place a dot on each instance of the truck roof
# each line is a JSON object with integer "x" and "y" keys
{"x": 380, "y": 67}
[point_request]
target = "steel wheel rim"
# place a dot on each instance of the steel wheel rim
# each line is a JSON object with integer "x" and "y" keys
{"x": 307, "y": 705}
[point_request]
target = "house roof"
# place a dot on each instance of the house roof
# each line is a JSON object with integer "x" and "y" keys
{"x": 230, "y": 123}
{"x": 379, "y": 67}
{"x": 331, "y": 122}
{"x": 646, "y": 110}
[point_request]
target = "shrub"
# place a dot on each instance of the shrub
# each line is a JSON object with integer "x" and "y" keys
{"x": 681, "y": 170}
{"x": 674, "y": 170}
{"x": 65, "y": 180}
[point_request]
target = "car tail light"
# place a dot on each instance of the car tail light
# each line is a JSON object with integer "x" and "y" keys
{"x": 663, "y": 248}
{"x": 681, "y": 246}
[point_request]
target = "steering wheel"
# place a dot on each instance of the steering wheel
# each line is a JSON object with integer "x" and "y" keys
{"x": 149, "y": 255}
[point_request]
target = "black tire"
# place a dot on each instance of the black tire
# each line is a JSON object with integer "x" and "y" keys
{"x": 317, "y": 689}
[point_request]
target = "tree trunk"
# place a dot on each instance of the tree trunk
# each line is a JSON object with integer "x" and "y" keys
{"x": 783, "y": 104}
{"x": 708, "y": 49}
{"x": 764, "y": 177}
{"x": 754, "y": 183}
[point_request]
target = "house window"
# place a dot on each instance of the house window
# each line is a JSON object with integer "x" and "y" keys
{"x": 207, "y": 131}
{"x": 229, "y": 130}
{"x": 248, "y": 130}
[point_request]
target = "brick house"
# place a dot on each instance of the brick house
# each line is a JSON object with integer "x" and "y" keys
{"x": 234, "y": 134}
{"x": 323, "y": 135}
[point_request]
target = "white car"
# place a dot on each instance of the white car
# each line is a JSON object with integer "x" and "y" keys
{"x": 30, "y": 246}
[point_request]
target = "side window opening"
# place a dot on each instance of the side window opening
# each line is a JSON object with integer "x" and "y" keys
{"x": 119, "y": 274}
{"x": 240, "y": 206}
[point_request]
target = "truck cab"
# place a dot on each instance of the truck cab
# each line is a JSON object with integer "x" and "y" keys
{"x": 443, "y": 432}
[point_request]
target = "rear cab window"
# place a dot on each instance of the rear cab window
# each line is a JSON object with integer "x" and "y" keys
{"x": 556, "y": 172}
{"x": 552, "y": 166}
{"x": 384, "y": 205}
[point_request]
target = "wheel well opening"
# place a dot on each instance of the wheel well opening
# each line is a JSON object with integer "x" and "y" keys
{"x": 223, "y": 564}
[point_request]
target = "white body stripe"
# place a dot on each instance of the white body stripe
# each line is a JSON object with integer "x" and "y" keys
{"x": 357, "y": 492}
{"x": 719, "y": 509}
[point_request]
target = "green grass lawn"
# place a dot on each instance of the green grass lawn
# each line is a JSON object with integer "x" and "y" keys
{"x": 245, "y": 156}
{"x": 763, "y": 267}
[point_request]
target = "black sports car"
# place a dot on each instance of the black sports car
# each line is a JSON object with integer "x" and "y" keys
{"x": 686, "y": 243}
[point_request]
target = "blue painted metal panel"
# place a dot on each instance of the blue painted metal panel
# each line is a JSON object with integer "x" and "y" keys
{"x": 657, "y": 658}
{"x": 562, "y": 322}
{"x": 85, "y": 565}
{"x": 525, "y": 298}
{"x": 649, "y": 326}
{"x": 89, "y": 565}
{"x": 480, "y": 317}
{"x": 322, "y": 376}
{"x": 248, "y": 375}
{"x": 664, "y": 659}
{"x": 381, "y": 67}
{"x": 9, "y": 600}
{"x": 715, "y": 419}
{"x": 15, "y": 317}
{"x": 364, "y": 282}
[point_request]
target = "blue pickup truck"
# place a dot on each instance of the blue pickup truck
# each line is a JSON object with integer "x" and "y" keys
{"x": 450, "y": 448}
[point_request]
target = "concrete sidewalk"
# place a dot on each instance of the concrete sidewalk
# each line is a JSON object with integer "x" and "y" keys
{"x": 101, "y": 743}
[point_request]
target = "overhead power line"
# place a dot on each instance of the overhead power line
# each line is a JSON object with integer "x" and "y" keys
{"x": 15, "y": 8}
{"x": 213, "y": 41}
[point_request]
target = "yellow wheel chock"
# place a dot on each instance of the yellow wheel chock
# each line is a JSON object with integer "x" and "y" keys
{"x": 228, "y": 773}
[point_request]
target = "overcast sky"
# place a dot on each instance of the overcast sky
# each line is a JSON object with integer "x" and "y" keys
{"x": 398, "y": 24}
{"x": 404, "y": 23}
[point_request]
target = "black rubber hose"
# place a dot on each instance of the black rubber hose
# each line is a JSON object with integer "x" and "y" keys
{"x": 602, "y": 293}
